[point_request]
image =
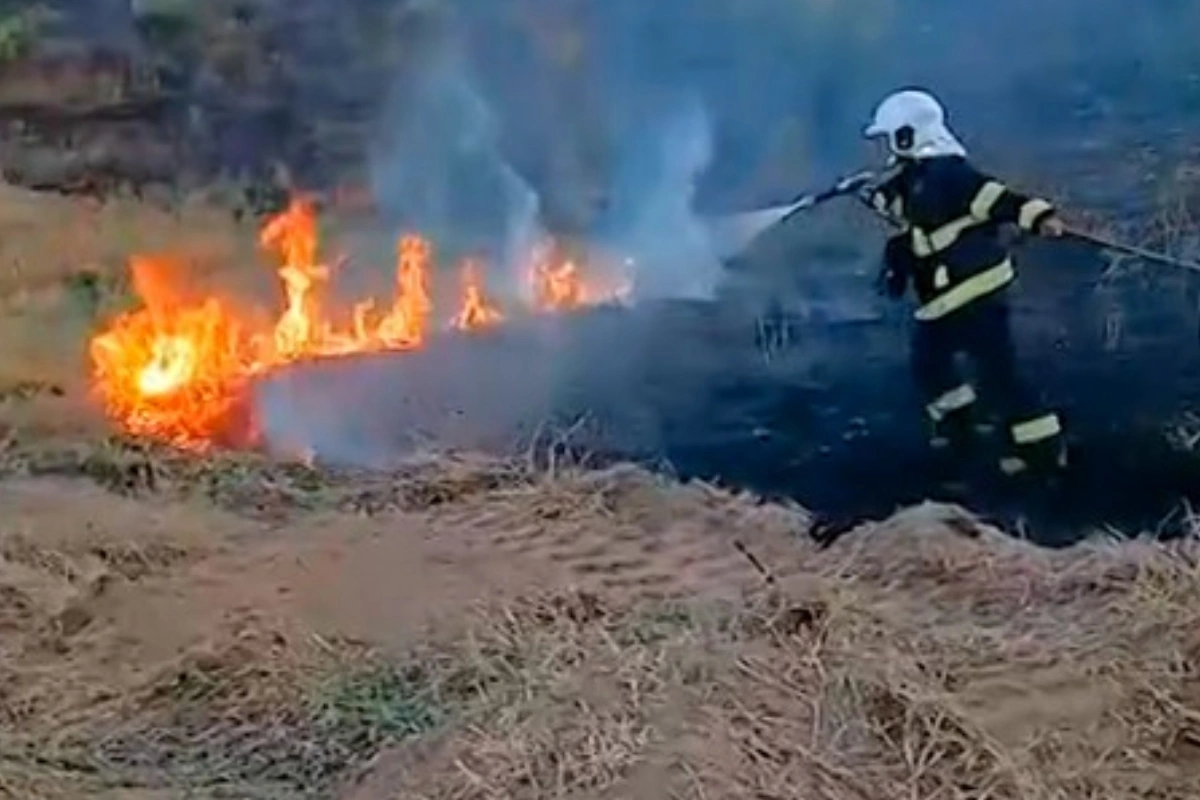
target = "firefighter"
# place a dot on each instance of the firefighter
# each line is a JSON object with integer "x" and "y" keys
{"x": 952, "y": 250}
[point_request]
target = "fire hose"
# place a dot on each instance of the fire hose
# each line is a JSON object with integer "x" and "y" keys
{"x": 734, "y": 234}
{"x": 1143, "y": 253}
{"x": 843, "y": 187}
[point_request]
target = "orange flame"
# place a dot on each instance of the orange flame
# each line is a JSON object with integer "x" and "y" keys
{"x": 177, "y": 368}
{"x": 476, "y": 311}
{"x": 176, "y": 378}
{"x": 559, "y": 285}
{"x": 405, "y": 324}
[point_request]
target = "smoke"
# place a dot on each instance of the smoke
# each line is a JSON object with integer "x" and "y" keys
{"x": 651, "y": 221}
{"x": 449, "y": 164}
{"x": 438, "y": 169}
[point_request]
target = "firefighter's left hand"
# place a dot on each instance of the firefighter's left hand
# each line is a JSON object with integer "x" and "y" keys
{"x": 891, "y": 283}
{"x": 1052, "y": 227}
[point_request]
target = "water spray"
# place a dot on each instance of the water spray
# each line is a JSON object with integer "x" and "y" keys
{"x": 732, "y": 234}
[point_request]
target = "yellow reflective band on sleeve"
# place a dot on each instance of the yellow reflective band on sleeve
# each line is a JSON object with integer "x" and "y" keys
{"x": 1031, "y": 211}
{"x": 879, "y": 201}
{"x": 971, "y": 289}
{"x": 956, "y": 399}
{"x": 920, "y": 243}
{"x": 941, "y": 239}
{"x": 897, "y": 207}
{"x": 1037, "y": 430}
{"x": 985, "y": 198}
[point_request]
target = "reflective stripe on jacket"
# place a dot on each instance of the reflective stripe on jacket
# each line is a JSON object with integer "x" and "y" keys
{"x": 952, "y": 243}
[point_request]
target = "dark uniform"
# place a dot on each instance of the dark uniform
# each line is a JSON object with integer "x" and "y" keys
{"x": 952, "y": 252}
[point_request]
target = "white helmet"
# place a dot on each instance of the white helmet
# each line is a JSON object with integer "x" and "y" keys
{"x": 914, "y": 123}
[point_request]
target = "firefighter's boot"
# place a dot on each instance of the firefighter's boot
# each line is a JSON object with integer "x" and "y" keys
{"x": 1043, "y": 460}
{"x": 952, "y": 443}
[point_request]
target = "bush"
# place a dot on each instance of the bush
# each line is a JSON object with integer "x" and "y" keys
{"x": 20, "y": 30}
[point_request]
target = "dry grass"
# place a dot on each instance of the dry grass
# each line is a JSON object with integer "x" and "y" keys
{"x": 959, "y": 668}
{"x": 927, "y": 657}
{"x": 49, "y": 238}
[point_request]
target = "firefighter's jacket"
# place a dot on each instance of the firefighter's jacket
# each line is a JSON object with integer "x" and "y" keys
{"x": 952, "y": 247}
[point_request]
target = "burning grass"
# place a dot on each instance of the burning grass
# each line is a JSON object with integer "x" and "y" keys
{"x": 176, "y": 369}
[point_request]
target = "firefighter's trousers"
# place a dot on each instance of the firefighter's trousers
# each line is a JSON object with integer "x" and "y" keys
{"x": 981, "y": 331}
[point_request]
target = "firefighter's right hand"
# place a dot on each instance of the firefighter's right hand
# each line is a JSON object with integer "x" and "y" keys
{"x": 853, "y": 184}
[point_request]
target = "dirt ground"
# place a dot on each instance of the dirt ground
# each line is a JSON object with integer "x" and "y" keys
{"x": 225, "y": 627}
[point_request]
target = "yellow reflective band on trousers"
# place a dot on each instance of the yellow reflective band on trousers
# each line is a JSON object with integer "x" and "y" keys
{"x": 956, "y": 399}
{"x": 928, "y": 244}
{"x": 1011, "y": 465}
{"x": 1036, "y": 430}
{"x": 971, "y": 289}
{"x": 941, "y": 277}
{"x": 1031, "y": 211}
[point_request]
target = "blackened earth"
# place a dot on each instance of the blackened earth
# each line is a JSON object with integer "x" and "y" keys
{"x": 818, "y": 410}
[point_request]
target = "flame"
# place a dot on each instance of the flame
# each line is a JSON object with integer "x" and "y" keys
{"x": 173, "y": 362}
{"x": 405, "y": 324}
{"x": 176, "y": 378}
{"x": 177, "y": 368}
{"x": 559, "y": 285}
{"x": 292, "y": 235}
{"x": 476, "y": 312}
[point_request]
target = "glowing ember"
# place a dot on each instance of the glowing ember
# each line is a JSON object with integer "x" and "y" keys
{"x": 177, "y": 369}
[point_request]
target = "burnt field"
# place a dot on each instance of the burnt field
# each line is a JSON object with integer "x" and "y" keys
{"x": 815, "y": 409}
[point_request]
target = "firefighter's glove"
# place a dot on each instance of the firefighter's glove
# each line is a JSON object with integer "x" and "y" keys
{"x": 898, "y": 265}
{"x": 861, "y": 187}
{"x": 855, "y": 184}
{"x": 1051, "y": 227}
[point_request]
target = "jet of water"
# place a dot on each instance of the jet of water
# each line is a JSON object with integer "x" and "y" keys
{"x": 730, "y": 235}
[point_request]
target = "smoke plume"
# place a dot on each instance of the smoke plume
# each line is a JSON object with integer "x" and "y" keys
{"x": 651, "y": 221}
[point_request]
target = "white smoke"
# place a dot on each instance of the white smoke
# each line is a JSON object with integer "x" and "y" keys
{"x": 523, "y": 226}
{"x": 652, "y": 223}
{"x": 439, "y": 170}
